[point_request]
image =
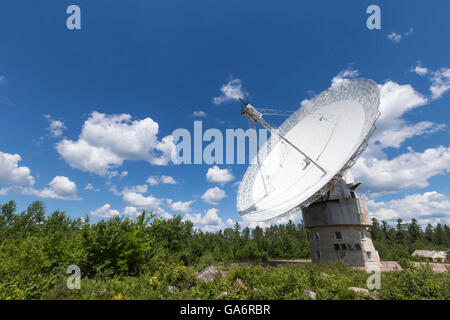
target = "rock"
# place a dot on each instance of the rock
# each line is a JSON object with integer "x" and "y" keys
{"x": 223, "y": 294}
{"x": 171, "y": 289}
{"x": 237, "y": 264}
{"x": 360, "y": 290}
{"x": 238, "y": 283}
{"x": 365, "y": 292}
{"x": 209, "y": 274}
{"x": 376, "y": 296}
{"x": 311, "y": 294}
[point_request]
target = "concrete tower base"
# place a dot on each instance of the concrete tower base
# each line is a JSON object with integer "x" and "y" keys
{"x": 338, "y": 227}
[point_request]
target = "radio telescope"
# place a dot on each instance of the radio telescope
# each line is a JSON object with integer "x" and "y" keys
{"x": 304, "y": 166}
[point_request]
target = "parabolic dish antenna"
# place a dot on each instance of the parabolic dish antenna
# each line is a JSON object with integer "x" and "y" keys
{"x": 310, "y": 151}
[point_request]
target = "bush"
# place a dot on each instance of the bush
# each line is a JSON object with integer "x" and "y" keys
{"x": 147, "y": 258}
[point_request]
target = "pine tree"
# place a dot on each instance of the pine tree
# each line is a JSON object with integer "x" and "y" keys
{"x": 429, "y": 231}
{"x": 400, "y": 231}
{"x": 446, "y": 235}
{"x": 414, "y": 231}
{"x": 385, "y": 230}
{"x": 375, "y": 230}
{"x": 7, "y": 212}
{"x": 439, "y": 236}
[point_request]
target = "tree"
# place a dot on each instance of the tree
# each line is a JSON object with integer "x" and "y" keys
{"x": 414, "y": 231}
{"x": 375, "y": 229}
{"x": 228, "y": 233}
{"x": 429, "y": 231}
{"x": 237, "y": 228}
{"x": 447, "y": 235}
{"x": 246, "y": 233}
{"x": 7, "y": 212}
{"x": 27, "y": 222}
{"x": 118, "y": 246}
{"x": 400, "y": 231}
{"x": 385, "y": 230}
{"x": 439, "y": 237}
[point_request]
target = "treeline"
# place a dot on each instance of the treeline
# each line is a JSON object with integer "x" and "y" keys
{"x": 120, "y": 246}
{"x": 400, "y": 241}
{"x": 36, "y": 248}
{"x": 34, "y": 242}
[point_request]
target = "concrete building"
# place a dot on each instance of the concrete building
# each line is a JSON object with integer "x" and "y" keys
{"x": 431, "y": 255}
{"x": 338, "y": 225}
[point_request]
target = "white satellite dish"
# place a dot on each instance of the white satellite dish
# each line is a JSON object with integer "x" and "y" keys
{"x": 310, "y": 151}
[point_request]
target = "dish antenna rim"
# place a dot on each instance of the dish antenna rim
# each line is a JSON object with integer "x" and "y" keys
{"x": 363, "y": 90}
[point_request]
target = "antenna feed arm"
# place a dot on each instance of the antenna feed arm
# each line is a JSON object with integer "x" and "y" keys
{"x": 251, "y": 113}
{"x": 254, "y": 115}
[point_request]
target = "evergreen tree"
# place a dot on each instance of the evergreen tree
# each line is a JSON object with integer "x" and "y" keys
{"x": 375, "y": 230}
{"x": 385, "y": 230}
{"x": 7, "y": 212}
{"x": 439, "y": 236}
{"x": 446, "y": 235}
{"x": 414, "y": 231}
{"x": 429, "y": 231}
{"x": 400, "y": 231}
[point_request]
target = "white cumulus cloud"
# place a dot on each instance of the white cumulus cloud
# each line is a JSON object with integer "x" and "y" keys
{"x": 81, "y": 155}
{"x": 348, "y": 73}
{"x": 167, "y": 180}
{"x": 179, "y": 206}
{"x": 138, "y": 200}
{"x": 105, "y": 212}
{"x": 199, "y": 114}
{"x": 232, "y": 90}
{"x": 143, "y": 188}
{"x": 107, "y": 140}
{"x": 394, "y": 37}
{"x": 213, "y": 195}
{"x": 429, "y": 207}
{"x": 406, "y": 171}
{"x": 59, "y": 188}
{"x": 395, "y": 101}
{"x": 56, "y": 127}
{"x": 4, "y": 191}
{"x": 12, "y": 173}
{"x": 440, "y": 80}
{"x": 154, "y": 180}
{"x": 131, "y": 211}
{"x": 164, "y": 215}
{"x": 220, "y": 176}
{"x": 90, "y": 187}
{"x": 210, "y": 222}
{"x": 420, "y": 70}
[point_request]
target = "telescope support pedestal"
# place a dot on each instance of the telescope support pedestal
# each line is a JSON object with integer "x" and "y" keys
{"x": 338, "y": 228}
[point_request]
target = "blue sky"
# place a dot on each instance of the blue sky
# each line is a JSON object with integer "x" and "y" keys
{"x": 166, "y": 60}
